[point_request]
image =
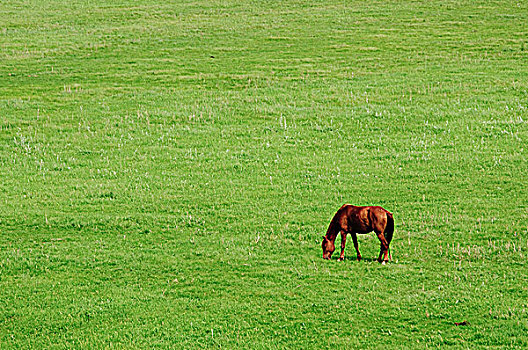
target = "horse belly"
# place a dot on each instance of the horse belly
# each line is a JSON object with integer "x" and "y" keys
{"x": 364, "y": 231}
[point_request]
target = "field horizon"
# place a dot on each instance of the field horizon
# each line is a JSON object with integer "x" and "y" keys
{"x": 168, "y": 172}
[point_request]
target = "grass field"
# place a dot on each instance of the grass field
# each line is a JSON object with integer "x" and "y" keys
{"x": 168, "y": 170}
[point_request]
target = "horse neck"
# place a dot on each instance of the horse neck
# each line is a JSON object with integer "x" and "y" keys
{"x": 332, "y": 231}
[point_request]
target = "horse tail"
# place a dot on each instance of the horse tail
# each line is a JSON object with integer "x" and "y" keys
{"x": 389, "y": 230}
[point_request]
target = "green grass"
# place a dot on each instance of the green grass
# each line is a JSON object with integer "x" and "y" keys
{"x": 167, "y": 172}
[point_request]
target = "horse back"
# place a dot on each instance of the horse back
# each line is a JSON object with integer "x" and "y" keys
{"x": 364, "y": 219}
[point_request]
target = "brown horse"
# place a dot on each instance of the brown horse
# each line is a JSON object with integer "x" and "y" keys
{"x": 359, "y": 220}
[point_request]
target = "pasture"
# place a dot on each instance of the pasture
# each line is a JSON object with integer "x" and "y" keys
{"x": 168, "y": 171}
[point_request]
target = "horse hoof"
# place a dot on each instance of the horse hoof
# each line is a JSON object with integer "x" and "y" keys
{"x": 383, "y": 262}
{"x": 340, "y": 259}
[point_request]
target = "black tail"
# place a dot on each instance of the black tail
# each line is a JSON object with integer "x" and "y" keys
{"x": 389, "y": 230}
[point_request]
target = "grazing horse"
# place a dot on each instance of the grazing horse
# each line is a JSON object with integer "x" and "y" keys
{"x": 359, "y": 220}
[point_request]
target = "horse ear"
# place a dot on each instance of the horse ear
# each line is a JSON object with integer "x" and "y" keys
{"x": 324, "y": 238}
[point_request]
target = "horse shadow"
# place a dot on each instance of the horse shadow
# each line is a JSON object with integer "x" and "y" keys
{"x": 354, "y": 259}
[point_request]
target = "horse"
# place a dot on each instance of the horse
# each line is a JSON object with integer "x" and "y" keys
{"x": 359, "y": 220}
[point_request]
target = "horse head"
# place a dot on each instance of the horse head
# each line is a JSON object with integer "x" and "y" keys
{"x": 328, "y": 248}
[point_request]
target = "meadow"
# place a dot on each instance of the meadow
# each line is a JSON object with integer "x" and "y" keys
{"x": 168, "y": 170}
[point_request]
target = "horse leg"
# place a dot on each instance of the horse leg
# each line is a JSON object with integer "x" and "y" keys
{"x": 381, "y": 252}
{"x": 384, "y": 247}
{"x": 343, "y": 242}
{"x": 354, "y": 237}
